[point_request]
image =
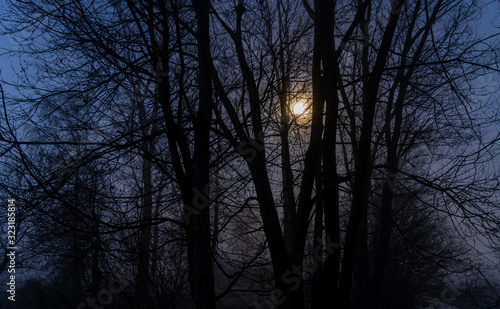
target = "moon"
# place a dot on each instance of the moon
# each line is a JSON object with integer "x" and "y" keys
{"x": 299, "y": 108}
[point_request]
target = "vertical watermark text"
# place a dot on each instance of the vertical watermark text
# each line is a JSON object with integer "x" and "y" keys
{"x": 11, "y": 249}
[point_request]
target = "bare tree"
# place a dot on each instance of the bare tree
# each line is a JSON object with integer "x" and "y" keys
{"x": 169, "y": 136}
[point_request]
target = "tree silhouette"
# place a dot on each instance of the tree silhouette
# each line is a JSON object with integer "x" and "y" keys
{"x": 160, "y": 140}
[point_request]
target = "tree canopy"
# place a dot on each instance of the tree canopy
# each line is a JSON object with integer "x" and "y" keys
{"x": 255, "y": 154}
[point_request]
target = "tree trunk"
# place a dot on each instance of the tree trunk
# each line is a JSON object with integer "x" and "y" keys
{"x": 362, "y": 162}
{"x": 330, "y": 176}
{"x": 319, "y": 292}
{"x": 201, "y": 259}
